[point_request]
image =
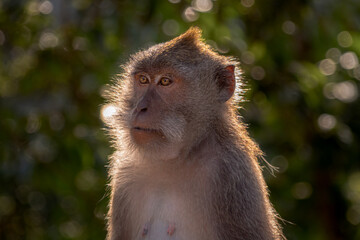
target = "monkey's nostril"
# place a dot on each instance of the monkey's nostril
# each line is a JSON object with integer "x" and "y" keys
{"x": 141, "y": 109}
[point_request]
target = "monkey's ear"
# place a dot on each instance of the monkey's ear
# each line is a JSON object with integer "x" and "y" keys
{"x": 226, "y": 82}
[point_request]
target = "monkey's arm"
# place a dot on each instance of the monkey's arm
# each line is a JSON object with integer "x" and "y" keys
{"x": 242, "y": 206}
{"x": 117, "y": 223}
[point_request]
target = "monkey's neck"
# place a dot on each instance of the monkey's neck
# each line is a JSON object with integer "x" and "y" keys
{"x": 200, "y": 148}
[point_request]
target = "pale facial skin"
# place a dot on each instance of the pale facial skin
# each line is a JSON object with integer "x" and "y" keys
{"x": 152, "y": 90}
{"x": 156, "y": 121}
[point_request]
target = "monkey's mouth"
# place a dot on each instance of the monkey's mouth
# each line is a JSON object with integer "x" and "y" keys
{"x": 149, "y": 130}
{"x": 145, "y": 129}
{"x": 144, "y": 136}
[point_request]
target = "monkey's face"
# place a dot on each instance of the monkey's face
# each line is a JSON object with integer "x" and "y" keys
{"x": 157, "y": 120}
{"x": 170, "y": 95}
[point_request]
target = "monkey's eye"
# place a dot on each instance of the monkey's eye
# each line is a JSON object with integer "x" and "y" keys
{"x": 165, "y": 81}
{"x": 143, "y": 79}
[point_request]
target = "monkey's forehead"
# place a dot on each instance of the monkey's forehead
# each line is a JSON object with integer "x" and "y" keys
{"x": 156, "y": 70}
{"x": 159, "y": 58}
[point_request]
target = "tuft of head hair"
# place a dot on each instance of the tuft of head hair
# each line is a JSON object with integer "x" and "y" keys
{"x": 192, "y": 37}
{"x": 189, "y": 47}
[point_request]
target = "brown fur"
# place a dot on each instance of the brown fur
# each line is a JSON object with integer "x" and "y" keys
{"x": 204, "y": 178}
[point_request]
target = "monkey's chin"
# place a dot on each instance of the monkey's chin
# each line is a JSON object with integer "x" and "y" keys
{"x": 146, "y": 137}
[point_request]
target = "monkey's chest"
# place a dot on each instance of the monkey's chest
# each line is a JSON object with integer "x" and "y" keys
{"x": 167, "y": 216}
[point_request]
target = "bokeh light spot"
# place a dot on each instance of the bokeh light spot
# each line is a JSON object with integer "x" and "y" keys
{"x": 46, "y": 7}
{"x": 33, "y": 124}
{"x": 327, "y": 67}
{"x": 33, "y": 8}
{"x": 81, "y": 131}
{"x": 57, "y": 121}
{"x": 190, "y": 14}
{"x": 247, "y": 3}
{"x": 289, "y": 27}
{"x": 248, "y": 57}
{"x": 328, "y": 90}
{"x": 202, "y": 5}
{"x": 345, "y": 134}
{"x": 107, "y": 112}
{"x": 326, "y": 122}
{"x": 48, "y": 40}
{"x": 344, "y": 39}
{"x": 71, "y": 229}
{"x": 258, "y": 73}
{"x": 353, "y": 187}
{"x": 170, "y": 27}
{"x": 79, "y": 43}
{"x": 174, "y": 1}
{"x": 334, "y": 54}
{"x": 353, "y": 215}
{"x": 349, "y": 60}
{"x": 42, "y": 149}
{"x": 301, "y": 190}
{"x": 345, "y": 91}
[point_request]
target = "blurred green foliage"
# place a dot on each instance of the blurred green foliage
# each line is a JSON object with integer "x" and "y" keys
{"x": 300, "y": 62}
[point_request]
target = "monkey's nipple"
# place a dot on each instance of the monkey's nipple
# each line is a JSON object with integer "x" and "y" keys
{"x": 171, "y": 229}
{"x": 145, "y": 230}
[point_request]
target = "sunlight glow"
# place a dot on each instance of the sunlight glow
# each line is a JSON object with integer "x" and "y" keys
{"x": 107, "y": 112}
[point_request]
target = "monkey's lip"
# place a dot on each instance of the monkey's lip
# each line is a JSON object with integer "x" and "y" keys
{"x": 144, "y": 129}
{"x": 144, "y": 135}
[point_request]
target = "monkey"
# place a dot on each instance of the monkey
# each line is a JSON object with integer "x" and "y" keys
{"x": 184, "y": 166}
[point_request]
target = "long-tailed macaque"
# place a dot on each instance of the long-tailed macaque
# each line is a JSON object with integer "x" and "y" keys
{"x": 184, "y": 167}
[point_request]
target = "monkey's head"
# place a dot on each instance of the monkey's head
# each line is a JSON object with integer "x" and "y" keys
{"x": 171, "y": 95}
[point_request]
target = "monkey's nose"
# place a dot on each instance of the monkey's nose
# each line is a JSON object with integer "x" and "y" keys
{"x": 142, "y": 109}
{"x": 142, "y": 106}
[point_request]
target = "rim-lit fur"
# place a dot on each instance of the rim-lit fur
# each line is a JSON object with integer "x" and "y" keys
{"x": 224, "y": 182}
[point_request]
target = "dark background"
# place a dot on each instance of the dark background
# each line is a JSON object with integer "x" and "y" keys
{"x": 300, "y": 61}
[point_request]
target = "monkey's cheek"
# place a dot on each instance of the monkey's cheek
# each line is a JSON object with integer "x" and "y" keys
{"x": 142, "y": 137}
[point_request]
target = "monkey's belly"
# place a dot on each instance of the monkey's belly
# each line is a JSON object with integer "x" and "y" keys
{"x": 168, "y": 217}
